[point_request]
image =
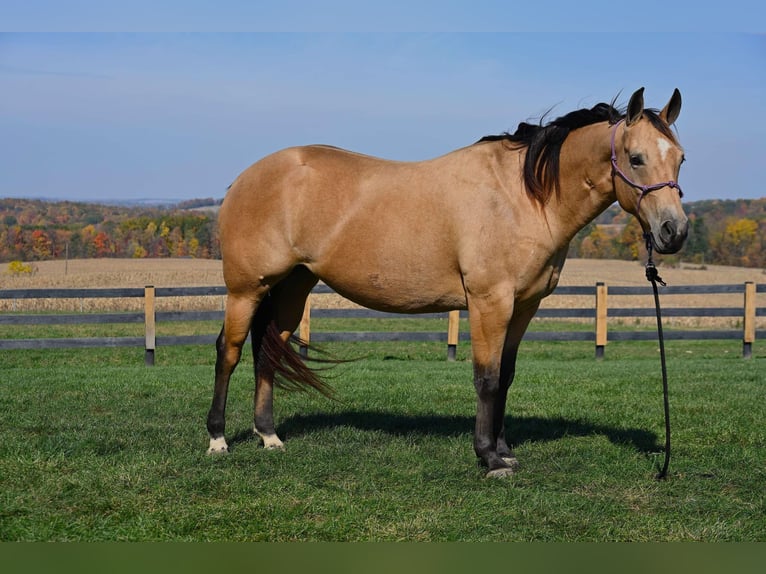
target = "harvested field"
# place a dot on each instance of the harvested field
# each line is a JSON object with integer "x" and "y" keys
{"x": 98, "y": 273}
{"x": 106, "y": 273}
{"x": 103, "y": 273}
{"x": 631, "y": 273}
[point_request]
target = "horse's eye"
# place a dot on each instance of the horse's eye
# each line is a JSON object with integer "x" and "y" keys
{"x": 636, "y": 160}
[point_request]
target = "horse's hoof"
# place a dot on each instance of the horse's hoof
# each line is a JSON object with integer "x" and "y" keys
{"x": 511, "y": 461}
{"x": 503, "y": 472}
{"x": 271, "y": 441}
{"x": 217, "y": 446}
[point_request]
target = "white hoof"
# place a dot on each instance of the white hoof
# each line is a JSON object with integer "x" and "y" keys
{"x": 270, "y": 441}
{"x": 500, "y": 473}
{"x": 217, "y": 445}
{"x": 511, "y": 461}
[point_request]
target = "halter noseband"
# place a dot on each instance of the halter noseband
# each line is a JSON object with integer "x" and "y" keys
{"x": 645, "y": 189}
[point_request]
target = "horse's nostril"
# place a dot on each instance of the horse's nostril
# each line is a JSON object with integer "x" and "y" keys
{"x": 667, "y": 231}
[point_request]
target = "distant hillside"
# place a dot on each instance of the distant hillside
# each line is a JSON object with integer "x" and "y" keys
{"x": 39, "y": 230}
{"x": 724, "y": 232}
{"x": 202, "y": 204}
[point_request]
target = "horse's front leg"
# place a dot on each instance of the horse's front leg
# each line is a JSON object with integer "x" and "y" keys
{"x": 489, "y": 317}
{"x": 489, "y": 415}
{"x": 507, "y": 371}
{"x": 495, "y": 335}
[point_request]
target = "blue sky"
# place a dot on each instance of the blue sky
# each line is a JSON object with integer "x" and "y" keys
{"x": 90, "y": 116}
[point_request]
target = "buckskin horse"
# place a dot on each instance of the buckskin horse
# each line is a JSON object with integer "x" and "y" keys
{"x": 484, "y": 228}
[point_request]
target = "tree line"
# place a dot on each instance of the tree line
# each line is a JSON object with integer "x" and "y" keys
{"x": 724, "y": 232}
{"x": 35, "y": 230}
{"x": 721, "y": 232}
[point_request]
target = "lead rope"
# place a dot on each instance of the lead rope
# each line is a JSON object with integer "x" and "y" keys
{"x": 653, "y": 277}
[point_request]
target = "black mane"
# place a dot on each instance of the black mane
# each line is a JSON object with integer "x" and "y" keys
{"x": 544, "y": 141}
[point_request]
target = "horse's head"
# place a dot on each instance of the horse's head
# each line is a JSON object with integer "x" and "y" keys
{"x": 646, "y": 158}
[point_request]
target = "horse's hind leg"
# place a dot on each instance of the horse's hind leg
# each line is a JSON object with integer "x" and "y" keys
{"x": 239, "y": 314}
{"x": 287, "y": 301}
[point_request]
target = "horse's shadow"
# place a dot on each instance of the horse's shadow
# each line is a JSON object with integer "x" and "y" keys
{"x": 519, "y": 430}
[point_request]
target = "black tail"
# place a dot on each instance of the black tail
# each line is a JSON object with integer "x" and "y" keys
{"x": 290, "y": 370}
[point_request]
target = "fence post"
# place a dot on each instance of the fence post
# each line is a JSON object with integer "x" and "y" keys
{"x": 601, "y": 306}
{"x": 304, "y": 330}
{"x": 150, "y": 332}
{"x": 453, "y": 330}
{"x": 748, "y": 331}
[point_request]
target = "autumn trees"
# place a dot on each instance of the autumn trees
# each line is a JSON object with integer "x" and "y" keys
{"x": 721, "y": 232}
{"x": 32, "y": 230}
{"x": 740, "y": 243}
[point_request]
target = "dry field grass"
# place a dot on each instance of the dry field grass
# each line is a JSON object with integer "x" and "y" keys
{"x": 631, "y": 273}
{"x": 121, "y": 273}
{"x": 103, "y": 273}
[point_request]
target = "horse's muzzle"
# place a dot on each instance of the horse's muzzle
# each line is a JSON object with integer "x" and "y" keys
{"x": 669, "y": 237}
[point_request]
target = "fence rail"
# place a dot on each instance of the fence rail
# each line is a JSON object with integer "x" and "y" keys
{"x": 599, "y": 313}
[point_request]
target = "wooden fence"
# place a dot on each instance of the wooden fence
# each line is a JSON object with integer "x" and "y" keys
{"x": 600, "y": 313}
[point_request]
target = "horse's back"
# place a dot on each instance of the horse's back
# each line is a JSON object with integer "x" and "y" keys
{"x": 379, "y": 231}
{"x": 300, "y": 189}
{"x": 301, "y": 170}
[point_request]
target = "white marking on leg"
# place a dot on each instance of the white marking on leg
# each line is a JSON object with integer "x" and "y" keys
{"x": 664, "y": 146}
{"x": 500, "y": 473}
{"x": 270, "y": 441}
{"x": 217, "y": 445}
{"x": 511, "y": 461}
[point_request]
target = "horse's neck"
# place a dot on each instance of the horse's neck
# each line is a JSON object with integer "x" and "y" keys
{"x": 587, "y": 187}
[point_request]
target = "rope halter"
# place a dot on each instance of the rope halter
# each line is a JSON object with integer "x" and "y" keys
{"x": 645, "y": 189}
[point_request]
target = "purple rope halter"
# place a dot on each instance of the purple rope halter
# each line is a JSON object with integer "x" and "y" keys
{"x": 645, "y": 189}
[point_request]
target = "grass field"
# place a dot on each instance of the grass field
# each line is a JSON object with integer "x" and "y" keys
{"x": 97, "y": 447}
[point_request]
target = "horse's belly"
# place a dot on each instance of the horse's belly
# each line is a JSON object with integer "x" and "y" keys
{"x": 399, "y": 294}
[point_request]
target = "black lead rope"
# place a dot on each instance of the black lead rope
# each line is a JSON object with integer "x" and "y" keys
{"x": 653, "y": 277}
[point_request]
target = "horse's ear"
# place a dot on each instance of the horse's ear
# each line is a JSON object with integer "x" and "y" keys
{"x": 670, "y": 112}
{"x": 635, "y": 107}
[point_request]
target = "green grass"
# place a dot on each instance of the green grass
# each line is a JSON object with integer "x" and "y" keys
{"x": 98, "y": 447}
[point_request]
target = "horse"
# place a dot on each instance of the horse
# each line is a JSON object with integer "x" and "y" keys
{"x": 484, "y": 228}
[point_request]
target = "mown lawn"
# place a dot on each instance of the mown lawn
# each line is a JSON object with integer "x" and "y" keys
{"x": 98, "y": 447}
